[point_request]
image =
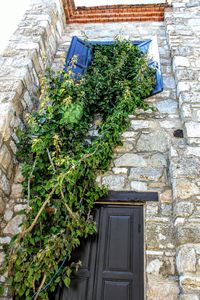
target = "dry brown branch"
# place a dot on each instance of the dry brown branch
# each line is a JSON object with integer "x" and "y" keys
{"x": 40, "y": 287}
{"x": 33, "y": 284}
{"x": 38, "y": 215}
{"x": 51, "y": 161}
{"x": 67, "y": 206}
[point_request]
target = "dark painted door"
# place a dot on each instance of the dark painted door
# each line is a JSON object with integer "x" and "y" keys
{"x": 112, "y": 262}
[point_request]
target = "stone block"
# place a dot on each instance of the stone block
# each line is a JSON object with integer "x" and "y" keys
{"x": 171, "y": 124}
{"x": 189, "y": 297}
{"x": 2, "y": 257}
{"x": 187, "y": 74}
{"x": 162, "y": 289}
{"x": 2, "y": 205}
{"x": 186, "y": 111}
{"x": 8, "y": 215}
{"x": 138, "y": 186}
{"x": 196, "y": 114}
{"x": 155, "y": 141}
{"x": 13, "y": 227}
{"x": 145, "y": 174}
{"x": 168, "y": 268}
{"x": 117, "y": 171}
{"x": 195, "y": 142}
{"x": 166, "y": 209}
{"x": 130, "y": 160}
{"x": 186, "y": 167}
{"x": 180, "y": 61}
{"x": 153, "y": 267}
{"x": 166, "y": 196}
{"x": 190, "y": 282}
{"x": 183, "y": 208}
{"x": 13, "y": 146}
{"x": 18, "y": 175}
{"x": 5, "y": 157}
{"x": 114, "y": 182}
{"x": 159, "y": 235}
{"x": 192, "y": 151}
{"x": 186, "y": 259}
{"x": 4, "y": 183}
{"x": 187, "y": 233}
{"x": 169, "y": 83}
{"x": 20, "y": 207}
{"x": 28, "y": 101}
{"x": 142, "y": 124}
{"x": 194, "y": 22}
{"x": 129, "y": 134}
{"x": 192, "y": 129}
{"x": 5, "y": 240}
{"x": 182, "y": 86}
{"x": 157, "y": 160}
{"x": 126, "y": 147}
{"x": 16, "y": 191}
{"x": 184, "y": 189}
{"x": 167, "y": 106}
{"x": 151, "y": 209}
{"x": 189, "y": 97}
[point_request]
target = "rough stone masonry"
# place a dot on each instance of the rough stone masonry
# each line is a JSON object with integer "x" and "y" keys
{"x": 152, "y": 158}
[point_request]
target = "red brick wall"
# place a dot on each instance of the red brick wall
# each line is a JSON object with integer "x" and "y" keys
{"x": 113, "y": 13}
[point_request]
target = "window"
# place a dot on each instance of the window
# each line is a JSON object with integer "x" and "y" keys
{"x": 82, "y": 50}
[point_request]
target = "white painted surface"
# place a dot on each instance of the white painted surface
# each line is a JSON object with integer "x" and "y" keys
{"x": 11, "y": 12}
{"x": 115, "y": 2}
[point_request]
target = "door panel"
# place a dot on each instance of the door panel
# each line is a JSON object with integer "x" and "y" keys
{"x": 116, "y": 290}
{"x": 117, "y": 257}
{"x": 82, "y": 282}
{"x": 118, "y": 250}
{"x": 112, "y": 261}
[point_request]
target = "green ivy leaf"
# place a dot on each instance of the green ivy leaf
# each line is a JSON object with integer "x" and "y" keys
{"x": 67, "y": 281}
{"x": 60, "y": 162}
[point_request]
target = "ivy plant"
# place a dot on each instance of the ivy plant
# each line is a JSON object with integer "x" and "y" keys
{"x": 60, "y": 164}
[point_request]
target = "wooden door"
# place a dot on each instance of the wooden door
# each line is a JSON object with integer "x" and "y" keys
{"x": 112, "y": 260}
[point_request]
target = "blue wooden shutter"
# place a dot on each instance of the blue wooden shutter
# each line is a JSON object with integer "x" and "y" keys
{"x": 143, "y": 45}
{"x": 159, "y": 81}
{"x": 82, "y": 51}
{"x": 153, "y": 63}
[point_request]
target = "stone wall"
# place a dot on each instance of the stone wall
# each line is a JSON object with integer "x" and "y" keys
{"x": 30, "y": 50}
{"x": 183, "y": 33}
{"x": 152, "y": 158}
{"x": 142, "y": 163}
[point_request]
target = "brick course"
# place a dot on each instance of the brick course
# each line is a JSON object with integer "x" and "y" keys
{"x": 113, "y": 13}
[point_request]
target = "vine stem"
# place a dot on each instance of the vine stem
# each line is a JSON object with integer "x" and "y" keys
{"x": 67, "y": 206}
{"x": 29, "y": 179}
{"x": 40, "y": 287}
{"x": 51, "y": 161}
{"x": 37, "y": 216}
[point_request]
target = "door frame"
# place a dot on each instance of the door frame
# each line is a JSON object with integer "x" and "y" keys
{"x": 132, "y": 198}
{"x": 129, "y": 199}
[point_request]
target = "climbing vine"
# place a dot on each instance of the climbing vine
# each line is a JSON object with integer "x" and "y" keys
{"x": 60, "y": 163}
